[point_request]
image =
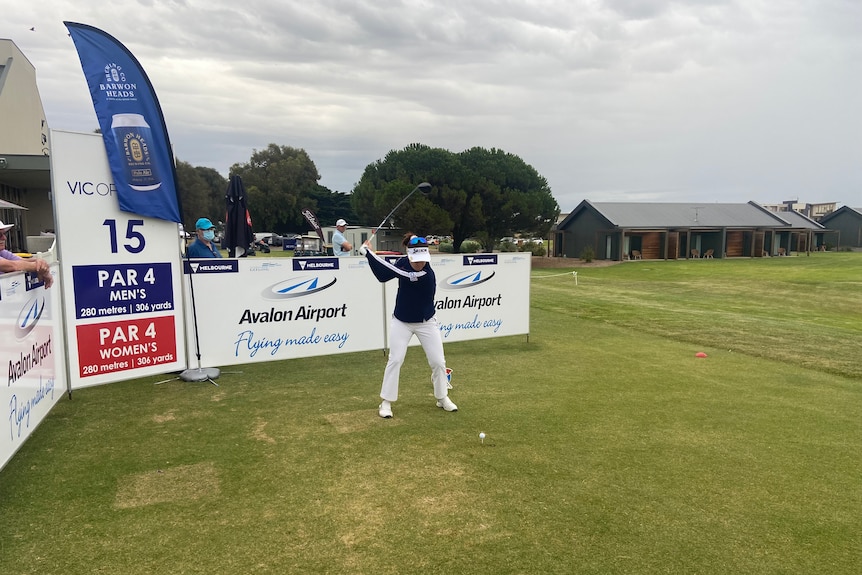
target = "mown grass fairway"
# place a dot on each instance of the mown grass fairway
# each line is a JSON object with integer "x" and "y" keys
{"x": 610, "y": 447}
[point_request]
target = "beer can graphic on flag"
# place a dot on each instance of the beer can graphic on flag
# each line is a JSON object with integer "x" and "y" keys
{"x": 134, "y": 139}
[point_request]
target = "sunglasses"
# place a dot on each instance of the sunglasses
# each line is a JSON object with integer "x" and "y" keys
{"x": 418, "y": 241}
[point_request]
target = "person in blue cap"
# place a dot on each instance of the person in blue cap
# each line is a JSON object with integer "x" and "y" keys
{"x": 203, "y": 246}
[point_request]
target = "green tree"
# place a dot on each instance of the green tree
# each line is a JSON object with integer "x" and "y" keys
{"x": 514, "y": 197}
{"x": 194, "y": 195}
{"x": 386, "y": 182}
{"x": 328, "y": 206}
{"x": 478, "y": 193}
{"x": 276, "y": 180}
{"x": 217, "y": 185}
{"x": 201, "y": 191}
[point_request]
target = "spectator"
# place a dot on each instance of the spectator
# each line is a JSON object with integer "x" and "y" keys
{"x": 340, "y": 246}
{"x": 9, "y": 262}
{"x": 203, "y": 246}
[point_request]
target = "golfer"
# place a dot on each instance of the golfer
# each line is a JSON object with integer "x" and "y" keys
{"x": 414, "y": 314}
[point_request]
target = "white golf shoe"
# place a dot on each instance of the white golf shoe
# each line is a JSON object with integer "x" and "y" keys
{"x": 447, "y": 404}
{"x": 385, "y": 410}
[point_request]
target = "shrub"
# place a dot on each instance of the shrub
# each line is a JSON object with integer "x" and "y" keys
{"x": 508, "y": 246}
{"x": 445, "y": 247}
{"x": 588, "y": 254}
{"x": 533, "y": 248}
{"x": 470, "y": 247}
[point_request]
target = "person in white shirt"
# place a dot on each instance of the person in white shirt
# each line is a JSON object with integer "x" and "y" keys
{"x": 340, "y": 246}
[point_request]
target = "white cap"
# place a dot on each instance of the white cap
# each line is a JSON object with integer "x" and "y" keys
{"x": 4, "y": 227}
{"x": 340, "y": 223}
{"x": 418, "y": 254}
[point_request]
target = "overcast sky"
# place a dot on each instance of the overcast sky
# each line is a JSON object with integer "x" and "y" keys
{"x": 610, "y": 100}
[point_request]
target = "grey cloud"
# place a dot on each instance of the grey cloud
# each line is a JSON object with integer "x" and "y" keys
{"x": 622, "y": 99}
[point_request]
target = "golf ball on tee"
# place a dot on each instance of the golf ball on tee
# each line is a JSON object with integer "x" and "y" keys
{"x": 482, "y": 435}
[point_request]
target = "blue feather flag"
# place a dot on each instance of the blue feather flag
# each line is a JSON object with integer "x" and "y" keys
{"x": 132, "y": 124}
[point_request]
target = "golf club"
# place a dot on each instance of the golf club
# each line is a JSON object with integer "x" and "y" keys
{"x": 424, "y": 187}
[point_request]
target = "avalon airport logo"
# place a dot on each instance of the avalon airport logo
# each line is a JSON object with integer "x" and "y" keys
{"x": 463, "y": 280}
{"x": 298, "y": 287}
{"x": 29, "y": 316}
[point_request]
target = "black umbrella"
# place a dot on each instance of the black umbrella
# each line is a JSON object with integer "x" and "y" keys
{"x": 238, "y": 234}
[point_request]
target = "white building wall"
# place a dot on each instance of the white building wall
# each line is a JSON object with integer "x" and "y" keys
{"x": 23, "y": 128}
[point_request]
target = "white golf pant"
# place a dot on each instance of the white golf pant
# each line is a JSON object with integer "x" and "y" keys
{"x": 429, "y": 336}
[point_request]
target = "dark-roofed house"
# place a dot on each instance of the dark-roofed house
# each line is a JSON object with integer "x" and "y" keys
{"x": 801, "y": 234}
{"x": 847, "y": 222}
{"x": 622, "y": 230}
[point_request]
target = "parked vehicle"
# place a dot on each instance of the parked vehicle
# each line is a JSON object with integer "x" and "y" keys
{"x": 269, "y": 238}
{"x": 288, "y": 242}
{"x": 310, "y": 246}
